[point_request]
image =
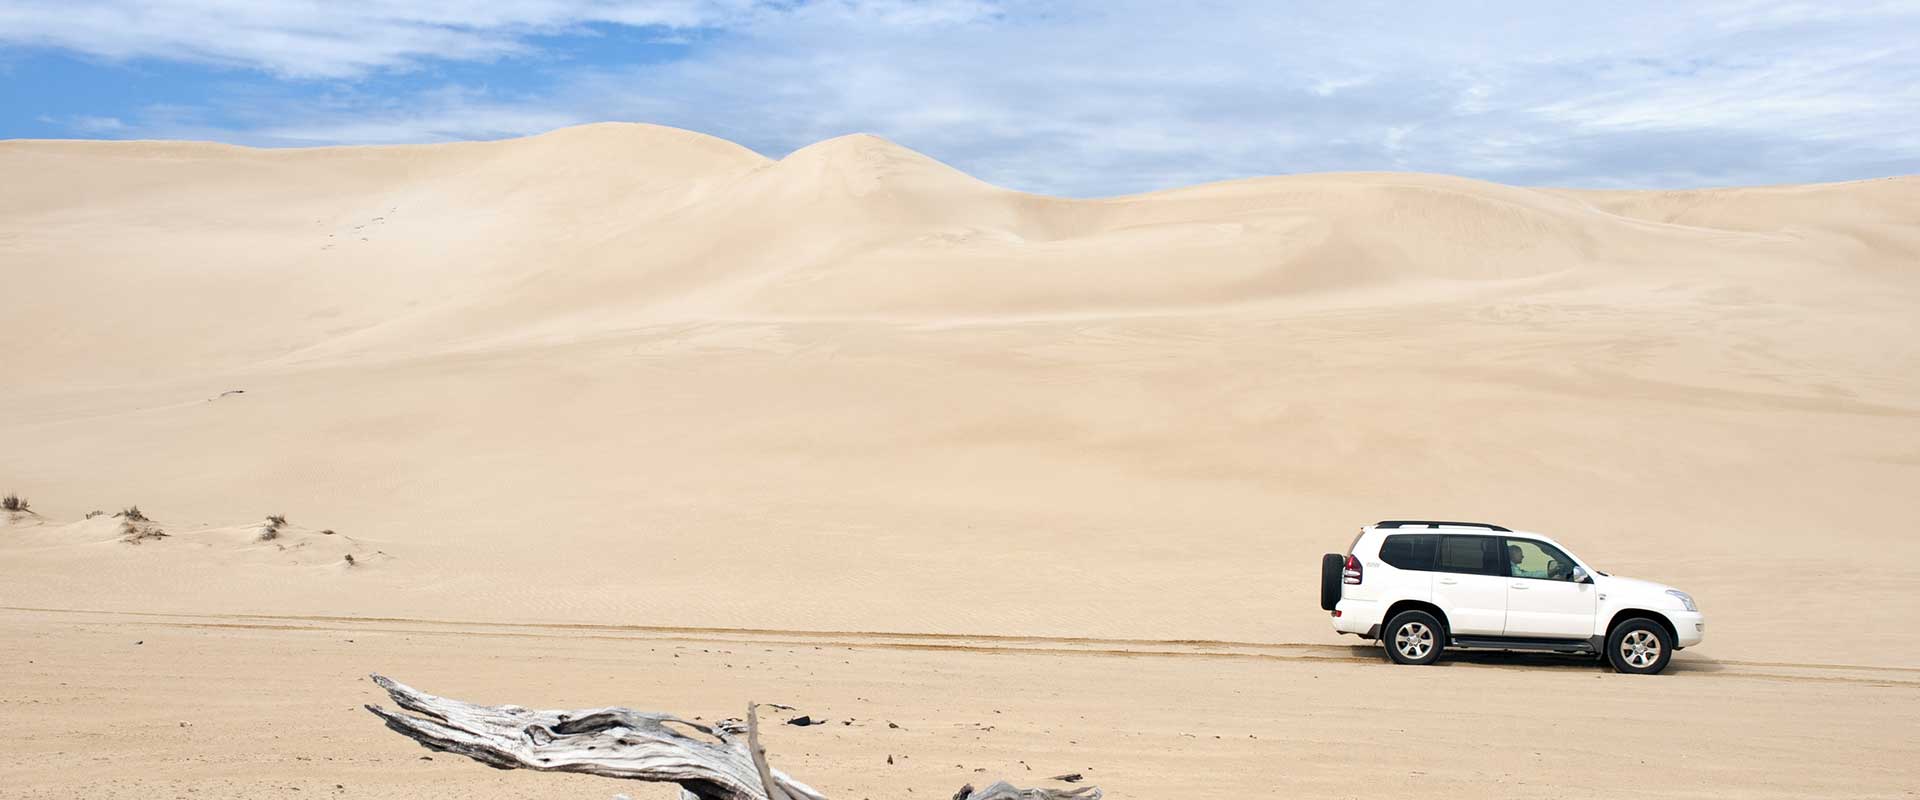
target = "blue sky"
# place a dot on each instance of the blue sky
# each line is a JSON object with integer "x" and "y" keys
{"x": 1057, "y": 96}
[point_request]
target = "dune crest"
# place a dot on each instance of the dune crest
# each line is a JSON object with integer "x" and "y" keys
{"x": 329, "y": 252}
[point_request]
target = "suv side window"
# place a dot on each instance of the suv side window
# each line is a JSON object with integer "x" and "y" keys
{"x": 1539, "y": 560}
{"x": 1470, "y": 555}
{"x": 1409, "y": 551}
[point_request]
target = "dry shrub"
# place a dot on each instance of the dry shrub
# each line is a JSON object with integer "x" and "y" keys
{"x": 14, "y": 502}
{"x": 132, "y": 533}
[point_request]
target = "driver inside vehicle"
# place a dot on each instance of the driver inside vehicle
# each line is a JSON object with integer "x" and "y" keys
{"x": 1516, "y": 556}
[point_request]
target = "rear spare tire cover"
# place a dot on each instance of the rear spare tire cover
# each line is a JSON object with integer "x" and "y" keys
{"x": 1332, "y": 565}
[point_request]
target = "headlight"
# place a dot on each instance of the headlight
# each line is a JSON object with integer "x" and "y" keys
{"x": 1684, "y": 598}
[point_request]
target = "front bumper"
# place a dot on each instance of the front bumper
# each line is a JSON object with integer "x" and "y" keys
{"x": 1689, "y": 627}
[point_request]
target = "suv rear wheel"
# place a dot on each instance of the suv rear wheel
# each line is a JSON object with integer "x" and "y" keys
{"x": 1639, "y": 646}
{"x": 1413, "y": 637}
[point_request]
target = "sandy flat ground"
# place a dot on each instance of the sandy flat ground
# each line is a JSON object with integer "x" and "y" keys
{"x": 96, "y": 704}
{"x": 581, "y": 403}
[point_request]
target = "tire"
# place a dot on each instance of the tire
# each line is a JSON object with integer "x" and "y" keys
{"x": 1414, "y": 637}
{"x": 1331, "y": 567}
{"x": 1639, "y": 646}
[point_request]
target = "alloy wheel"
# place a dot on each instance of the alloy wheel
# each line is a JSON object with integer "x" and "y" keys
{"x": 1640, "y": 649}
{"x": 1414, "y": 640}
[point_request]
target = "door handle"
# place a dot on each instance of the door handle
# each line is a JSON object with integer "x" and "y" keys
{"x": 1448, "y": 581}
{"x": 1517, "y": 585}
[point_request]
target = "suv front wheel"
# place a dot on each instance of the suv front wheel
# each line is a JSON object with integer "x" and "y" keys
{"x": 1639, "y": 646}
{"x": 1414, "y": 637}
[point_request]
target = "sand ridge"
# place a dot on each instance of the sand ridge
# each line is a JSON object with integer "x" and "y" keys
{"x": 369, "y": 250}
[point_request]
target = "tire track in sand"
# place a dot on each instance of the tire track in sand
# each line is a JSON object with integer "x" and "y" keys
{"x": 994, "y": 644}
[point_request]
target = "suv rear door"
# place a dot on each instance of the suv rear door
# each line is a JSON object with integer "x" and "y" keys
{"x": 1470, "y": 584}
{"x": 1542, "y": 599}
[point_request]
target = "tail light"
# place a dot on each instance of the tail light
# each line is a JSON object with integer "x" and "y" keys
{"x": 1351, "y": 574}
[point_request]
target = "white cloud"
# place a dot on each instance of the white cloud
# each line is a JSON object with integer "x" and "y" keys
{"x": 98, "y": 124}
{"x": 320, "y": 39}
{"x": 1081, "y": 97}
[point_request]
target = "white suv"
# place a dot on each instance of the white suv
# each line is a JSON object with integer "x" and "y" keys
{"x": 1421, "y": 586}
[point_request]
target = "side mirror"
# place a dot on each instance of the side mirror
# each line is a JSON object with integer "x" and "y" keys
{"x": 1580, "y": 575}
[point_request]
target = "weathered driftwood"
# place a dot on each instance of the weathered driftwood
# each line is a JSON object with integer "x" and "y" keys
{"x": 622, "y": 743}
{"x": 1006, "y": 791}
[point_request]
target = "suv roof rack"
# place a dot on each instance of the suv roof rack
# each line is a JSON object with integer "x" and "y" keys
{"x": 1428, "y": 523}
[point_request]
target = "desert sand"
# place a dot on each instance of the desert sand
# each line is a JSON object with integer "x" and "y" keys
{"x": 623, "y": 414}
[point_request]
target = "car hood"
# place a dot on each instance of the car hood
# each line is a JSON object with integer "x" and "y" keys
{"x": 1622, "y": 584}
{"x": 1636, "y": 591}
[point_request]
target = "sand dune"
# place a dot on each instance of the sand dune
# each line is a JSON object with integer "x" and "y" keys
{"x": 629, "y": 375}
{"x": 399, "y": 250}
